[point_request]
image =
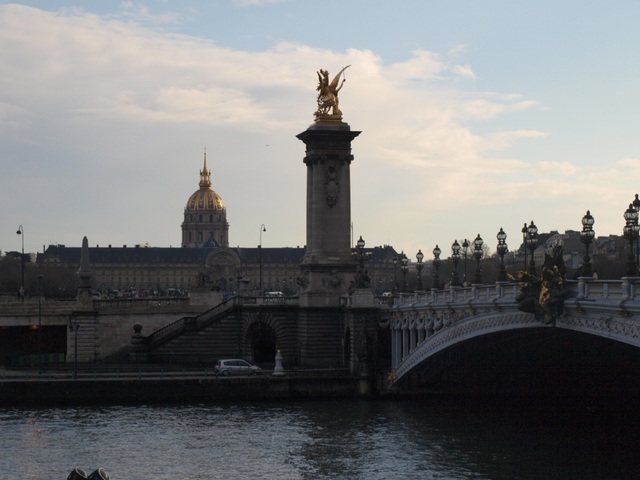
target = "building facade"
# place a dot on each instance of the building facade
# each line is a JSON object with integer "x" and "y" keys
{"x": 205, "y": 261}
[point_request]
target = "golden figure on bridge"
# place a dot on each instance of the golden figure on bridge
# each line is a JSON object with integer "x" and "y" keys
{"x": 328, "y": 93}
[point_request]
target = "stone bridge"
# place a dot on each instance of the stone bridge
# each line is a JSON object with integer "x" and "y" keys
{"x": 474, "y": 339}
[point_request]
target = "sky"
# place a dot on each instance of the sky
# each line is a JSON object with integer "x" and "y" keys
{"x": 475, "y": 115}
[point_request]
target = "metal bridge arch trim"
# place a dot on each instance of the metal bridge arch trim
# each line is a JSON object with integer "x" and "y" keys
{"x": 454, "y": 332}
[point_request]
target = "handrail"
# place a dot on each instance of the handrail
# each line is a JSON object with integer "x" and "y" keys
{"x": 172, "y": 330}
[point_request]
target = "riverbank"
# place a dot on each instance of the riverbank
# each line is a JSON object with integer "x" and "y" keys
{"x": 154, "y": 388}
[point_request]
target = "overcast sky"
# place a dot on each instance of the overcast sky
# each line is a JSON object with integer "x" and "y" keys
{"x": 475, "y": 115}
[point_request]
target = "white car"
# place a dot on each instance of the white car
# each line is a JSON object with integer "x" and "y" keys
{"x": 236, "y": 366}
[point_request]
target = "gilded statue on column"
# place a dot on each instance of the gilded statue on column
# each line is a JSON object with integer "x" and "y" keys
{"x": 328, "y": 94}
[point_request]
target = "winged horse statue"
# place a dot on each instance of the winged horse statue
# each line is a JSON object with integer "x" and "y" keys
{"x": 328, "y": 92}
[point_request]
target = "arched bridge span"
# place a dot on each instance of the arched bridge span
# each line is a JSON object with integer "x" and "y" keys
{"x": 469, "y": 339}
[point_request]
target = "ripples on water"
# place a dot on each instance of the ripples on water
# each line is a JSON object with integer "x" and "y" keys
{"x": 316, "y": 440}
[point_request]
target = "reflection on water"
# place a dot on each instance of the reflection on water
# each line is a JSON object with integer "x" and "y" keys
{"x": 318, "y": 440}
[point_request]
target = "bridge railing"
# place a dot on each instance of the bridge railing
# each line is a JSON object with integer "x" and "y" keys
{"x": 501, "y": 291}
{"x": 584, "y": 288}
{"x": 624, "y": 289}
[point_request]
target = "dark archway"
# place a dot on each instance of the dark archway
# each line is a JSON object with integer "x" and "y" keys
{"x": 263, "y": 343}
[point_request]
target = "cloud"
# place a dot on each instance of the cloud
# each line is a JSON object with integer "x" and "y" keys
{"x": 104, "y": 104}
{"x": 464, "y": 71}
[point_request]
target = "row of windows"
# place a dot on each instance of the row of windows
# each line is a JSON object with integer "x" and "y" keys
{"x": 201, "y": 218}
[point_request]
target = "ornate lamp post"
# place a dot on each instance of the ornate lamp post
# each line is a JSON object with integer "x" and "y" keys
{"x": 532, "y": 244}
{"x": 21, "y": 233}
{"x": 524, "y": 244}
{"x": 586, "y": 236}
{"x": 630, "y": 232}
{"x": 405, "y": 268}
{"x": 361, "y": 279}
{"x": 436, "y": 266}
{"x": 262, "y": 229}
{"x": 636, "y": 206}
{"x": 395, "y": 274}
{"x": 40, "y": 277}
{"x": 419, "y": 267}
{"x": 74, "y": 330}
{"x": 465, "y": 249}
{"x": 455, "y": 256}
{"x": 502, "y": 250}
{"x": 477, "y": 253}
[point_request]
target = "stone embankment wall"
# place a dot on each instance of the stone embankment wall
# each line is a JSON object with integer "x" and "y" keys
{"x": 183, "y": 389}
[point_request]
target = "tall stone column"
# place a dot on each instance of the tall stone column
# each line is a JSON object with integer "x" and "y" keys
{"x": 327, "y": 265}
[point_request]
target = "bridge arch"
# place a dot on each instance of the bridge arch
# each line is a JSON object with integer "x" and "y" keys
{"x": 471, "y": 339}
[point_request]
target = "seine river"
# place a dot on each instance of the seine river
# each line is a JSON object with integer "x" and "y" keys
{"x": 319, "y": 440}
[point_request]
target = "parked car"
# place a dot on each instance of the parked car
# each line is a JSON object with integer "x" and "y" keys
{"x": 236, "y": 366}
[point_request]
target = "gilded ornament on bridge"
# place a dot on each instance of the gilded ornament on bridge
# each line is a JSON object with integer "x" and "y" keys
{"x": 545, "y": 296}
{"x": 328, "y": 102}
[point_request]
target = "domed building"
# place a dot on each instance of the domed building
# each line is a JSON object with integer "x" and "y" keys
{"x": 205, "y": 216}
{"x": 205, "y": 261}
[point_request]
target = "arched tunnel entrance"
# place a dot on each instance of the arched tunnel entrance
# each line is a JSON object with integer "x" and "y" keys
{"x": 542, "y": 361}
{"x": 262, "y": 339}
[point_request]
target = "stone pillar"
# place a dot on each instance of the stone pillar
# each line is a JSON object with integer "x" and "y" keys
{"x": 328, "y": 265}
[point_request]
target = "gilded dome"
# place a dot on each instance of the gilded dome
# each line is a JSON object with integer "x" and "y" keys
{"x": 205, "y": 199}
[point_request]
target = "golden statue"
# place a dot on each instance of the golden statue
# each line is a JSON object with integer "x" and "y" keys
{"x": 328, "y": 93}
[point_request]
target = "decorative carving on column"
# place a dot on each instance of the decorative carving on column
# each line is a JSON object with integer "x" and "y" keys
{"x": 331, "y": 186}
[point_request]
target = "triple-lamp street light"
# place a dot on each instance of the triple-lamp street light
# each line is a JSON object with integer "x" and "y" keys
{"x": 532, "y": 244}
{"x": 502, "y": 249}
{"x": 455, "y": 256}
{"x": 630, "y": 232}
{"x": 419, "y": 267}
{"x": 586, "y": 236}
{"x": 477, "y": 253}
{"x": 436, "y": 266}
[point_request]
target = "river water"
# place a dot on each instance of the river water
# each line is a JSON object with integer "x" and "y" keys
{"x": 320, "y": 440}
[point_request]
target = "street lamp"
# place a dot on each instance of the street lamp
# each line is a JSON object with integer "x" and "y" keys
{"x": 502, "y": 250}
{"x": 630, "y": 232}
{"x": 262, "y": 229}
{"x": 436, "y": 266}
{"x": 395, "y": 274}
{"x": 455, "y": 256}
{"x": 21, "y": 233}
{"x": 532, "y": 244}
{"x": 74, "y": 330}
{"x": 419, "y": 267}
{"x": 361, "y": 278}
{"x": 636, "y": 206}
{"x": 40, "y": 277}
{"x": 477, "y": 253}
{"x": 465, "y": 249}
{"x": 524, "y": 244}
{"x": 405, "y": 268}
{"x": 586, "y": 236}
